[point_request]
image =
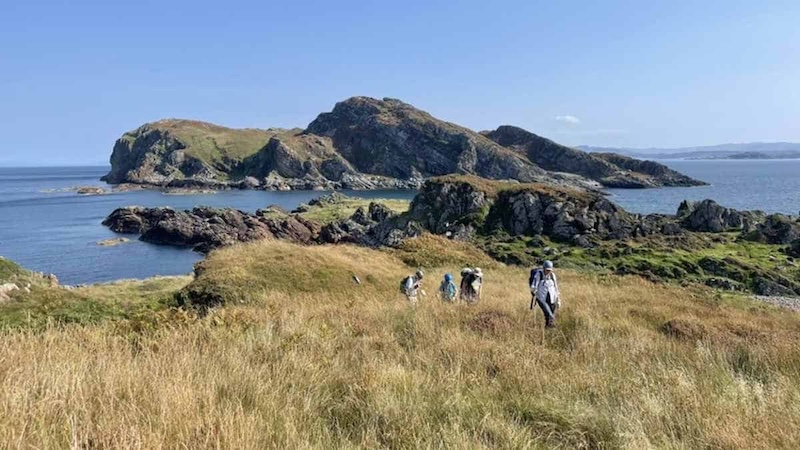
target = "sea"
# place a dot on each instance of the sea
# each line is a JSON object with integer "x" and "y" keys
{"x": 48, "y": 228}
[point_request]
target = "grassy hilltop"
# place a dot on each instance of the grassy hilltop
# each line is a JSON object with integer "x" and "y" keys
{"x": 301, "y": 356}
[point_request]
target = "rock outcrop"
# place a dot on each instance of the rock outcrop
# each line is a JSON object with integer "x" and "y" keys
{"x": 776, "y": 229}
{"x": 5, "y": 291}
{"x": 614, "y": 171}
{"x": 363, "y": 143}
{"x": 793, "y": 249}
{"x": 650, "y": 173}
{"x": 205, "y": 229}
{"x": 708, "y": 216}
{"x": 462, "y": 206}
{"x": 394, "y": 139}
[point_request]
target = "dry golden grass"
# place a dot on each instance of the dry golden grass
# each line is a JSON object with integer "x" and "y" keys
{"x": 302, "y": 364}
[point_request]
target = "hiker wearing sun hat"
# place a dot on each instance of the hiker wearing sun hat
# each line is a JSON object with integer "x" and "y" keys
{"x": 544, "y": 291}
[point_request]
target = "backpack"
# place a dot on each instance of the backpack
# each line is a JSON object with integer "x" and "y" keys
{"x": 534, "y": 272}
{"x": 404, "y": 285}
{"x": 448, "y": 290}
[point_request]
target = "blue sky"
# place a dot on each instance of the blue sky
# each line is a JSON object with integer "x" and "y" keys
{"x": 74, "y": 75}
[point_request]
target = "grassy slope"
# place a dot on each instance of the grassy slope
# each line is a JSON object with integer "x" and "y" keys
{"x": 344, "y": 209}
{"x": 47, "y": 306}
{"x": 308, "y": 358}
{"x": 214, "y": 144}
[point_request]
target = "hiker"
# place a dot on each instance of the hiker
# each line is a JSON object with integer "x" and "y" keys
{"x": 544, "y": 291}
{"x": 471, "y": 284}
{"x": 448, "y": 290}
{"x": 411, "y": 286}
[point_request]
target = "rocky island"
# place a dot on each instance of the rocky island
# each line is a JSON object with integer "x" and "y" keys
{"x": 363, "y": 143}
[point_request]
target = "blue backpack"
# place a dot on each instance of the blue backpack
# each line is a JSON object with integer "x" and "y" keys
{"x": 448, "y": 289}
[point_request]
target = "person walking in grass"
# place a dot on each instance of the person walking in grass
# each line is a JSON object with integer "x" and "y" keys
{"x": 544, "y": 291}
{"x": 448, "y": 289}
{"x": 471, "y": 285}
{"x": 411, "y": 286}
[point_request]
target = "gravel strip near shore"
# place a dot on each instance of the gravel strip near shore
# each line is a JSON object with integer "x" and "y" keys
{"x": 792, "y": 303}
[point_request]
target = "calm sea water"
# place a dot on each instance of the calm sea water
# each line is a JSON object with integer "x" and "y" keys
{"x": 770, "y": 185}
{"x": 57, "y": 232}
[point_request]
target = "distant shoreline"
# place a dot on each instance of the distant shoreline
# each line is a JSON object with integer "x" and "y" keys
{"x": 80, "y": 166}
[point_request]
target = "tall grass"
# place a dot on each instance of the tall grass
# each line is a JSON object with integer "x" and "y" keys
{"x": 341, "y": 365}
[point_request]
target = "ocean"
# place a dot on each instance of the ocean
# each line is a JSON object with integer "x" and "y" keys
{"x": 47, "y": 229}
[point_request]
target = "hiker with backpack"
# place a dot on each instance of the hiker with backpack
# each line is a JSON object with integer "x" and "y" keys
{"x": 411, "y": 286}
{"x": 471, "y": 285}
{"x": 544, "y": 291}
{"x": 448, "y": 290}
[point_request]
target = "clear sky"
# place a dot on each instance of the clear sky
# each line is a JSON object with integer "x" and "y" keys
{"x": 74, "y": 75}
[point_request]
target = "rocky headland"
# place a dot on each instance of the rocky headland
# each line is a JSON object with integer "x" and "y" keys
{"x": 363, "y": 143}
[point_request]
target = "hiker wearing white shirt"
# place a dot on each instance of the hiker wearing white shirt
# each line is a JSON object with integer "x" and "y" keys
{"x": 411, "y": 286}
{"x": 544, "y": 290}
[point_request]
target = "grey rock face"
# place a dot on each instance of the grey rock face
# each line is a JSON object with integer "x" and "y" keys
{"x": 764, "y": 286}
{"x": 614, "y": 171}
{"x": 708, "y": 216}
{"x": 776, "y": 229}
{"x": 150, "y": 155}
{"x": 442, "y": 207}
{"x": 391, "y": 138}
{"x": 564, "y": 217}
{"x": 794, "y": 249}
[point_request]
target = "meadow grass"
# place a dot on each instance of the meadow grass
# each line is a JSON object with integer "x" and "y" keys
{"x": 306, "y": 358}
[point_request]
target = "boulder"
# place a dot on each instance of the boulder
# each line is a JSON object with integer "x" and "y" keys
{"x": 764, "y": 286}
{"x": 449, "y": 205}
{"x": 708, "y": 216}
{"x": 776, "y": 229}
{"x": 793, "y": 250}
{"x": 724, "y": 284}
{"x": 379, "y": 212}
{"x": 6, "y": 290}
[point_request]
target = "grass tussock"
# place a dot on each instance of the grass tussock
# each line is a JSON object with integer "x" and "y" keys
{"x": 311, "y": 359}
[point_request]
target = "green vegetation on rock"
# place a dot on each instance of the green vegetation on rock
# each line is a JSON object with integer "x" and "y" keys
{"x": 335, "y": 208}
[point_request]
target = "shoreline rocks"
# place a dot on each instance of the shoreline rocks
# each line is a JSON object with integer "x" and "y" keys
{"x": 204, "y": 229}
{"x": 113, "y": 242}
